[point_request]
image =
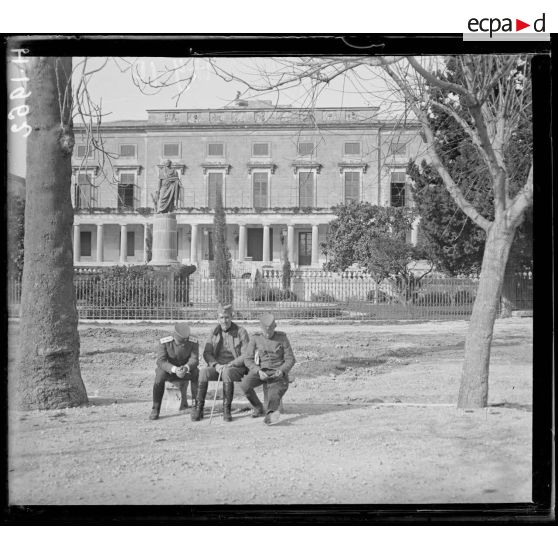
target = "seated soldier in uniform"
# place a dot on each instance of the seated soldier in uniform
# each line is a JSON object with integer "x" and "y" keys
{"x": 269, "y": 358}
{"x": 224, "y": 354}
{"x": 177, "y": 359}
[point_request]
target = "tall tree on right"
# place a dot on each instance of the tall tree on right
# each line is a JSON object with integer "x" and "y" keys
{"x": 451, "y": 239}
{"x": 489, "y": 97}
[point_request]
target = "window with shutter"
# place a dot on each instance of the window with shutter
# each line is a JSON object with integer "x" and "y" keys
{"x": 352, "y": 148}
{"x": 84, "y": 194}
{"x": 352, "y": 186}
{"x": 306, "y": 148}
{"x": 215, "y": 149}
{"x": 171, "y": 150}
{"x": 83, "y": 151}
{"x": 127, "y": 150}
{"x": 214, "y": 184}
{"x": 306, "y": 189}
{"x": 305, "y": 248}
{"x": 260, "y": 149}
{"x": 397, "y": 189}
{"x": 126, "y": 191}
{"x": 397, "y": 149}
{"x": 260, "y": 181}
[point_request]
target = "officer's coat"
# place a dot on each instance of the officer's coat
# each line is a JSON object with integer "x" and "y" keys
{"x": 275, "y": 353}
{"x": 170, "y": 353}
{"x": 215, "y": 341}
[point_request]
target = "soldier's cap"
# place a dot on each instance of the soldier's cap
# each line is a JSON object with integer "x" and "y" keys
{"x": 267, "y": 319}
{"x": 226, "y": 309}
{"x": 182, "y": 330}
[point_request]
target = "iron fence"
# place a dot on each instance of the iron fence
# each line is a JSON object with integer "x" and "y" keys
{"x": 306, "y": 295}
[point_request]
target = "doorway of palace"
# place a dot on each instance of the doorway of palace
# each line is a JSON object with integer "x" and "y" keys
{"x": 305, "y": 248}
{"x": 254, "y": 248}
{"x": 210, "y": 252}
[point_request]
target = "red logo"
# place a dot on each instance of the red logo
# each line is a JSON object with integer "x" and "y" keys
{"x": 519, "y": 25}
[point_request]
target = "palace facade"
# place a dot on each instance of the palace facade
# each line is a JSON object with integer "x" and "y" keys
{"x": 280, "y": 171}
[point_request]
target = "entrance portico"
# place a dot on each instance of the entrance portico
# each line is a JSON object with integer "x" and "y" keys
{"x": 261, "y": 238}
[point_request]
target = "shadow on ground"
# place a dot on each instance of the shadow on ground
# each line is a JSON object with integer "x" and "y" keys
{"x": 509, "y": 405}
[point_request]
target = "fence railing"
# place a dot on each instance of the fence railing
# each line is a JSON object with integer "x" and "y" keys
{"x": 308, "y": 295}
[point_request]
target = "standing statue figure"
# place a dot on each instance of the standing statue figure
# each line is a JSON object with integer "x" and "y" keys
{"x": 169, "y": 189}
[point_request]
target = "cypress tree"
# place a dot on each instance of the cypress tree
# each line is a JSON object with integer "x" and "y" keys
{"x": 222, "y": 255}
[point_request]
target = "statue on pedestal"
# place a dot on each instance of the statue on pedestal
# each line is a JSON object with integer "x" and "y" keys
{"x": 168, "y": 193}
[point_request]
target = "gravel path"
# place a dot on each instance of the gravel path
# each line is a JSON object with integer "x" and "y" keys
{"x": 369, "y": 418}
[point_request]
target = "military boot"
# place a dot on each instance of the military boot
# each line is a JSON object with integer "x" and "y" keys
{"x": 194, "y": 389}
{"x": 197, "y": 410}
{"x": 228, "y": 392}
{"x": 183, "y": 397}
{"x": 257, "y": 407}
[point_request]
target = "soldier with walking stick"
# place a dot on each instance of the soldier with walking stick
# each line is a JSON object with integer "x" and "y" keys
{"x": 224, "y": 354}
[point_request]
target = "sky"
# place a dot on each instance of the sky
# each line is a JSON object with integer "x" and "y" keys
{"x": 116, "y": 86}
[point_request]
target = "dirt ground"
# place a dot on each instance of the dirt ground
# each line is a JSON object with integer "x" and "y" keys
{"x": 370, "y": 417}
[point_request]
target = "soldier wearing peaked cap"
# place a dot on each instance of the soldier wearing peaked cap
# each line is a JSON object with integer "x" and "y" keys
{"x": 269, "y": 359}
{"x": 177, "y": 359}
{"x": 224, "y": 353}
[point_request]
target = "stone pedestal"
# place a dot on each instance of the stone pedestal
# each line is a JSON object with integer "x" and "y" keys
{"x": 165, "y": 249}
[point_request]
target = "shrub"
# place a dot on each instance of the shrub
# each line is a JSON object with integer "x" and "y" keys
{"x": 322, "y": 296}
{"x": 435, "y": 298}
{"x": 182, "y": 283}
{"x": 123, "y": 286}
{"x": 288, "y": 295}
{"x": 184, "y": 271}
{"x": 265, "y": 293}
{"x": 379, "y": 296}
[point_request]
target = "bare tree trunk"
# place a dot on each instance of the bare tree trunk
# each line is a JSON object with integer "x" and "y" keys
{"x": 48, "y": 368}
{"x": 473, "y": 391}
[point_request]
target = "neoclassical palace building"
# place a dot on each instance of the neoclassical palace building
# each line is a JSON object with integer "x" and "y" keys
{"x": 280, "y": 171}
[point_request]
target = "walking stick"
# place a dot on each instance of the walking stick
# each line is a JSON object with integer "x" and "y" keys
{"x": 215, "y": 397}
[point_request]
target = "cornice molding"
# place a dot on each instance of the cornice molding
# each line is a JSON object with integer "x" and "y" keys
{"x": 265, "y": 166}
{"x": 86, "y": 168}
{"x": 346, "y": 165}
{"x": 137, "y": 168}
{"x": 216, "y": 166}
{"x": 297, "y": 165}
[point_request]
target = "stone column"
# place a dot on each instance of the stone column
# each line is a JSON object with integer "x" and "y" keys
{"x": 241, "y": 242}
{"x": 164, "y": 239}
{"x": 315, "y": 247}
{"x": 123, "y": 243}
{"x": 194, "y": 244}
{"x": 266, "y": 244}
{"x": 100, "y": 245}
{"x": 290, "y": 242}
{"x": 77, "y": 243}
